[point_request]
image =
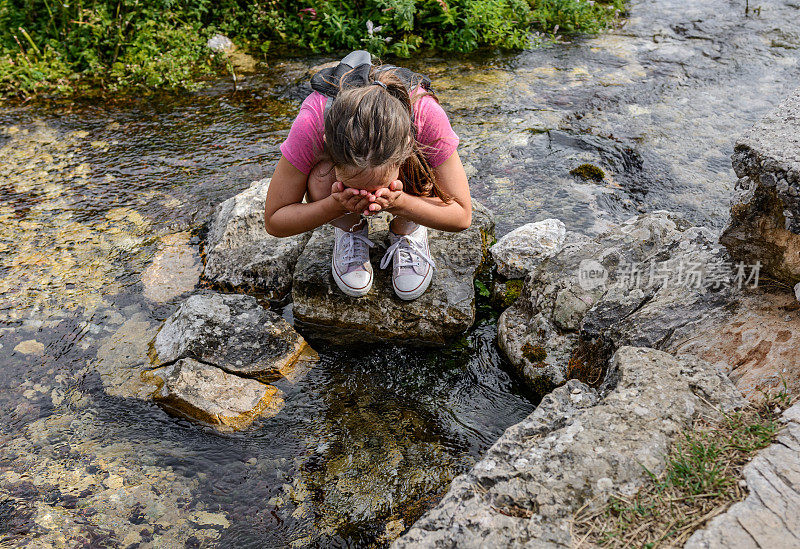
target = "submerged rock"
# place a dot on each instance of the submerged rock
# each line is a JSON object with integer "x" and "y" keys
{"x": 210, "y": 395}
{"x": 175, "y": 269}
{"x": 575, "y": 449}
{"x": 122, "y": 357}
{"x": 652, "y": 282}
{"x": 525, "y": 247}
{"x": 232, "y": 332}
{"x": 445, "y": 310}
{"x": 115, "y": 493}
{"x": 242, "y": 256}
{"x": 765, "y": 216}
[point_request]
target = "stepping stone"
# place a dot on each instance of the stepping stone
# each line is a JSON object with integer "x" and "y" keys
{"x": 444, "y": 311}
{"x": 232, "y": 332}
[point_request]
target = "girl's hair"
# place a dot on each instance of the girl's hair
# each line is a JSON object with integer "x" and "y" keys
{"x": 373, "y": 126}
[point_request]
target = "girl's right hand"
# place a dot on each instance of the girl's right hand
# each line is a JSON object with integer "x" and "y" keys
{"x": 351, "y": 200}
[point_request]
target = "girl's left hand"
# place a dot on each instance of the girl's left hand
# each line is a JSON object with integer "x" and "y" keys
{"x": 385, "y": 198}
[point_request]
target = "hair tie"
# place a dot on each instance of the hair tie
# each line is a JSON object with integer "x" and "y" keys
{"x": 379, "y": 83}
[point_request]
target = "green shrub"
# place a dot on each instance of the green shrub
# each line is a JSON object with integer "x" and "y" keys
{"x": 575, "y": 16}
{"x": 49, "y": 45}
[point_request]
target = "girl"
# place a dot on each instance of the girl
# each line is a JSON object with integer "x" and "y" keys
{"x": 377, "y": 147}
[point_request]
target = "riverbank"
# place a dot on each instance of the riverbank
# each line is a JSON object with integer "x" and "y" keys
{"x": 114, "y": 47}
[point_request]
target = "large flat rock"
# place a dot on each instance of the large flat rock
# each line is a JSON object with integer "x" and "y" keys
{"x": 232, "y": 332}
{"x": 757, "y": 346}
{"x": 242, "y": 256}
{"x": 445, "y": 310}
{"x": 576, "y": 448}
{"x": 765, "y": 215}
{"x": 769, "y": 518}
{"x": 210, "y": 395}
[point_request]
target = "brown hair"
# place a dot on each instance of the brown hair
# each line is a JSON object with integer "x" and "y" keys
{"x": 373, "y": 126}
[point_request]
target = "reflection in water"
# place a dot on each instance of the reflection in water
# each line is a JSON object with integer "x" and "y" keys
{"x": 99, "y": 203}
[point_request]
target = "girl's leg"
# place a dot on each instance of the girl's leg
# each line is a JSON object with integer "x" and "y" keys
{"x": 401, "y": 225}
{"x": 320, "y": 181}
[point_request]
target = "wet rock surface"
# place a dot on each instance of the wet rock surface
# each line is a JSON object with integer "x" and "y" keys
{"x": 576, "y": 448}
{"x": 445, "y": 310}
{"x": 208, "y": 394}
{"x": 89, "y": 190}
{"x": 652, "y": 282}
{"x": 209, "y": 350}
{"x": 242, "y": 256}
{"x": 122, "y": 357}
{"x": 769, "y": 516}
{"x": 232, "y": 332}
{"x": 765, "y": 215}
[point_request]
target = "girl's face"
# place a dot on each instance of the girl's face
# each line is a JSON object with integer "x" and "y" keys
{"x": 370, "y": 179}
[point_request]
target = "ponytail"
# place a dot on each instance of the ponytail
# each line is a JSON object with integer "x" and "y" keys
{"x": 373, "y": 126}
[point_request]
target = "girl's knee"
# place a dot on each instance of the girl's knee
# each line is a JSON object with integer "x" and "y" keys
{"x": 320, "y": 180}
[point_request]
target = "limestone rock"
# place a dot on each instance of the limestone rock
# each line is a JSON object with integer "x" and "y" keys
{"x": 232, "y": 332}
{"x": 765, "y": 215}
{"x": 446, "y": 309}
{"x": 574, "y": 449}
{"x": 30, "y": 347}
{"x": 242, "y": 256}
{"x": 210, "y": 395}
{"x": 756, "y": 346}
{"x": 770, "y": 515}
{"x": 525, "y": 247}
{"x": 647, "y": 282}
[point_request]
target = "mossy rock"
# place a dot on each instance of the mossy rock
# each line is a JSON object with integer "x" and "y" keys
{"x": 506, "y": 292}
{"x": 589, "y": 172}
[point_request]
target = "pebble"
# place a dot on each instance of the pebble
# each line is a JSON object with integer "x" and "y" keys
{"x": 30, "y": 347}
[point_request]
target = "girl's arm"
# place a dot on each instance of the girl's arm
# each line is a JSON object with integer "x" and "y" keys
{"x": 285, "y": 214}
{"x": 433, "y": 212}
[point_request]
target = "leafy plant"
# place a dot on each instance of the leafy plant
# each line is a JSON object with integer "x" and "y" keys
{"x": 54, "y": 46}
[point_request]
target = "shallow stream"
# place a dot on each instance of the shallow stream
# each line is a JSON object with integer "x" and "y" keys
{"x": 94, "y": 195}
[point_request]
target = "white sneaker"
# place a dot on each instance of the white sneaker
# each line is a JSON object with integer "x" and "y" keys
{"x": 412, "y": 264}
{"x": 350, "y": 264}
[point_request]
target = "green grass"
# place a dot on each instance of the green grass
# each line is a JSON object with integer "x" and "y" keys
{"x": 700, "y": 480}
{"x": 49, "y": 47}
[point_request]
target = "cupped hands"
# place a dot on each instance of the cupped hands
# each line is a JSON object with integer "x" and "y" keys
{"x": 367, "y": 202}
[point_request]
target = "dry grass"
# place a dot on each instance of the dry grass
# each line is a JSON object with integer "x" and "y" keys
{"x": 700, "y": 481}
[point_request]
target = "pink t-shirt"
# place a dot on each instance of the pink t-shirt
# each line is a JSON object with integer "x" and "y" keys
{"x": 305, "y": 137}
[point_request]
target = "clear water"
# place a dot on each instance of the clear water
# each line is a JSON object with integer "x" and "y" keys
{"x": 91, "y": 192}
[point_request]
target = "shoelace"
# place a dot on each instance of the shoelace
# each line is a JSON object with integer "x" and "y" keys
{"x": 354, "y": 248}
{"x": 407, "y": 250}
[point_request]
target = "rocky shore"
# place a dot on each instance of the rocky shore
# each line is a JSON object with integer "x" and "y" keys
{"x": 587, "y": 299}
{"x": 621, "y": 333}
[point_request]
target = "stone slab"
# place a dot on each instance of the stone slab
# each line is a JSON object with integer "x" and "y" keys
{"x": 444, "y": 311}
